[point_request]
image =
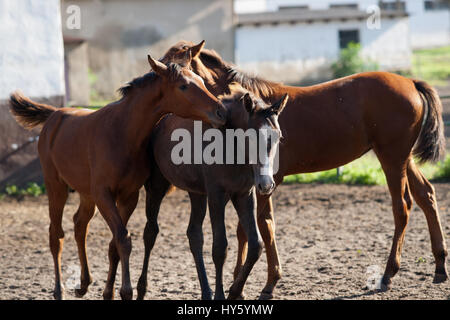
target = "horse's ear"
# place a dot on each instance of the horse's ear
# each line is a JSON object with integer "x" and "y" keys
{"x": 157, "y": 66}
{"x": 187, "y": 57}
{"x": 278, "y": 106}
{"x": 195, "y": 50}
{"x": 248, "y": 103}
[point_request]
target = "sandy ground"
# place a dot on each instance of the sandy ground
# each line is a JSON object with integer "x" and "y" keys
{"x": 331, "y": 239}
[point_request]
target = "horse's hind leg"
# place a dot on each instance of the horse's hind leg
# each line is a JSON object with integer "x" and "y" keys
{"x": 156, "y": 188}
{"x": 395, "y": 172}
{"x": 195, "y": 235}
{"x": 245, "y": 207}
{"x": 125, "y": 208}
{"x": 57, "y": 192}
{"x": 81, "y": 220}
{"x": 424, "y": 194}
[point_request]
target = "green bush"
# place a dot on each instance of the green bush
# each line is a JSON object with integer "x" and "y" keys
{"x": 443, "y": 170}
{"x": 350, "y": 62}
{"x": 32, "y": 189}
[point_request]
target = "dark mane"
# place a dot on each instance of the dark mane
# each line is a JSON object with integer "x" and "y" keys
{"x": 237, "y": 92}
{"x": 146, "y": 79}
{"x": 254, "y": 84}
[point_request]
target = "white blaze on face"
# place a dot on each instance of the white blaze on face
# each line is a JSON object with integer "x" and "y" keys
{"x": 196, "y": 77}
{"x": 268, "y": 150}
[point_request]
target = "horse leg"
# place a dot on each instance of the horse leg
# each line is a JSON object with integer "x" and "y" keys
{"x": 424, "y": 194}
{"x": 401, "y": 206}
{"x": 57, "y": 196}
{"x": 121, "y": 241}
{"x": 156, "y": 188}
{"x": 126, "y": 208}
{"x": 242, "y": 251}
{"x": 81, "y": 220}
{"x": 266, "y": 225}
{"x": 195, "y": 236}
{"x": 217, "y": 202}
{"x": 245, "y": 208}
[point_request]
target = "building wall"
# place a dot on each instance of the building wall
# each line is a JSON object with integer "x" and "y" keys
{"x": 77, "y": 73}
{"x": 427, "y": 28}
{"x": 304, "y": 52}
{"x": 120, "y": 34}
{"x": 31, "y": 53}
{"x": 32, "y": 61}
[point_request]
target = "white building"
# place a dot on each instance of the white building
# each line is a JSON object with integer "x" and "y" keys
{"x": 429, "y": 19}
{"x": 32, "y": 61}
{"x": 296, "y": 45}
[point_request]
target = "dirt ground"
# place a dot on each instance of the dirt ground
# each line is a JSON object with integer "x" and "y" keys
{"x": 331, "y": 238}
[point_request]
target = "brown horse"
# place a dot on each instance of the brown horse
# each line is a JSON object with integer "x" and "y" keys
{"x": 103, "y": 156}
{"x": 330, "y": 124}
{"x": 215, "y": 184}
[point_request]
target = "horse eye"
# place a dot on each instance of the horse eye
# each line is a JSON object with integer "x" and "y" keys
{"x": 183, "y": 87}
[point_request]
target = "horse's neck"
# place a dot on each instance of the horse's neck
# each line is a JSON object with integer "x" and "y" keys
{"x": 139, "y": 115}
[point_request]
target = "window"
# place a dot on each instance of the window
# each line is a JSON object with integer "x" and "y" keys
{"x": 305, "y": 7}
{"x": 347, "y": 36}
{"x": 344, "y": 6}
{"x": 436, "y": 5}
{"x": 394, "y": 5}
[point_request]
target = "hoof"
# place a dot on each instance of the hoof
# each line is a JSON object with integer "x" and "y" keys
{"x": 440, "y": 277}
{"x": 79, "y": 293}
{"x": 141, "y": 289}
{"x": 266, "y": 296}
{"x": 126, "y": 293}
{"x": 140, "y": 296}
{"x": 207, "y": 296}
{"x": 108, "y": 295}
{"x": 240, "y": 297}
{"x": 385, "y": 286}
{"x": 58, "y": 295}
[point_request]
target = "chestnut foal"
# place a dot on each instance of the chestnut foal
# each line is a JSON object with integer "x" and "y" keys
{"x": 103, "y": 155}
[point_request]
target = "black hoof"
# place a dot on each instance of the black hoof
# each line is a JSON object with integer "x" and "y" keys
{"x": 440, "y": 277}
{"x": 266, "y": 296}
{"x": 79, "y": 293}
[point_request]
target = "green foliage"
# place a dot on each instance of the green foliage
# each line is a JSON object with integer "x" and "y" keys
{"x": 443, "y": 170}
{"x": 32, "y": 189}
{"x": 350, "y": 62}
{"x": 367, "y": 171}
{"x": 432, "y": 65}
{"x": 364, "y": 171}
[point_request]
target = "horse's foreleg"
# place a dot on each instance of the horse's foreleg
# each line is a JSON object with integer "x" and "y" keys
{"x": 195, "y": 236}
{"x": 217, "y": 202}
{"x": 424, "y": 194}
{"x": 156, "y": 189}
{"x": 245, "y": 206}
{"x": 266, "y": 225}
{"x": 242, "y": 250}
{"x": 81, "y": 220}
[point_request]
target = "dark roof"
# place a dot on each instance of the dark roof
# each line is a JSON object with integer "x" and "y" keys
{"x": 309, "y": 16}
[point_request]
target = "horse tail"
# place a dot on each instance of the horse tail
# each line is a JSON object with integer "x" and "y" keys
{"x": 27, "y": 113}
{"x": 430, "y": 145}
